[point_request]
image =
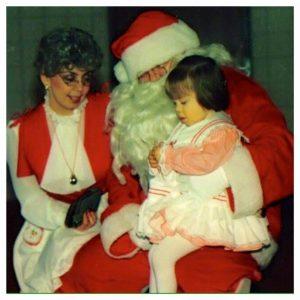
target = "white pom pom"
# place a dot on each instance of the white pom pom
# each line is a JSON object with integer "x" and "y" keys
{"x": 120, "y": 72}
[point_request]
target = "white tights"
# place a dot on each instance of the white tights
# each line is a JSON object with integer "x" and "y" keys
{"x": 162, "y": 259}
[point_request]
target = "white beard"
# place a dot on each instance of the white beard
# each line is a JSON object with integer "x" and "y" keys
{"x": 143, "y": 115}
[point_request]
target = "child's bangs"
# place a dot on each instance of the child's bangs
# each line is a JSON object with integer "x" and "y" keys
{"x": 178, "y": 88}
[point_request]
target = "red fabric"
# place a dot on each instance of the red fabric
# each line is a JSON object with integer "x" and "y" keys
{"x": 35, "y": 144}
{"x": 214, "y": 270}
{"x": 94, "y": 271}
{"x": 32, "y": 156}
{"x": 145, "y": 24}
{"x": 96, "y": 140}
{"x": 120, "y": 195}
{"x": 210, "y": 269}
{"x": 271, "y": 143}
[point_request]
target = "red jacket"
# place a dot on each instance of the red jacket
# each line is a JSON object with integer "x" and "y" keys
{"x": 271, "y": 147}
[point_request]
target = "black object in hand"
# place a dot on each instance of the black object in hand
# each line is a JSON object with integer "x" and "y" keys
{"x": 89, "y": 201}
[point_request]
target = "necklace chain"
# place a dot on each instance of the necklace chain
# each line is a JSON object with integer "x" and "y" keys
{"x": 73, "y": 178}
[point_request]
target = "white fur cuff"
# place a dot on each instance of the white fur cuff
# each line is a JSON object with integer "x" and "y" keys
{"x": 118, "y": 223}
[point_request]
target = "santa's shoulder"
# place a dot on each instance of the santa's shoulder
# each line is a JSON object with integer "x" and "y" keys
{"x": 237, "y": 80}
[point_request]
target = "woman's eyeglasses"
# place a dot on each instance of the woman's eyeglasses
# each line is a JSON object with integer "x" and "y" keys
{"x": 71, "y": 79}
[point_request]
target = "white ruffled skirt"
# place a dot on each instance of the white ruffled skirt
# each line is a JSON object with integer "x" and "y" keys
{"x": 206, "y": 222}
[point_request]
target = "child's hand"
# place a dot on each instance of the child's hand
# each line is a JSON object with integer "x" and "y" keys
{"x": 154, "y": 156}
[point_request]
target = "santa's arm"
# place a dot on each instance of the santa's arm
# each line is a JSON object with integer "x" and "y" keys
{"x": 36, "y": 206}
{"x": 271, "y": 148}
{"x": 121, "y": 215}
{"x": 271, "y": 143}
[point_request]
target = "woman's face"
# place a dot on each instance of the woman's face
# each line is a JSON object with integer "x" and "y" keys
{"x": 67, "y": 89}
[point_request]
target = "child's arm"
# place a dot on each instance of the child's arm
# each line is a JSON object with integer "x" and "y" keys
{"x": 214, "y": 151}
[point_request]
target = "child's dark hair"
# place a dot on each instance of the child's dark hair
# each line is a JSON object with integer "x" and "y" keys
{"x": 203, "y": 76}
{"x": 65, "y": 48}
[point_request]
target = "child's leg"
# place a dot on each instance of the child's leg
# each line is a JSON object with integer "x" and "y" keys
{"x": 162, "y": 258}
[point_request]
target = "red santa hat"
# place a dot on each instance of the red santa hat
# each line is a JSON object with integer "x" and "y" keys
{"x": 152, "y": 39}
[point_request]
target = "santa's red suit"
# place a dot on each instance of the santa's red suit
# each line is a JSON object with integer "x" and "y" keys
{"x": 152, "y": 39}
{"x": 209, "y": 269}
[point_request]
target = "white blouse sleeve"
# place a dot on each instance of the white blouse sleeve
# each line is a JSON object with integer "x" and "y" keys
{"x": 36, "y": 206}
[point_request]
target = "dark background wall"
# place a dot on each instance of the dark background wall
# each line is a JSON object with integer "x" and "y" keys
{"x": 259, "y": 38}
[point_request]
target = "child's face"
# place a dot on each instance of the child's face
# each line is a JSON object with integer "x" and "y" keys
{"x": 189, "y": 111}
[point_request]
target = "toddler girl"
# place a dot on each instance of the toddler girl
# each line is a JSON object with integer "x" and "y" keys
{"x": 193, "y": 200}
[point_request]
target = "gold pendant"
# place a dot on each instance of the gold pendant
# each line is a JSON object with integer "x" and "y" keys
{"x": 73, "y": 179}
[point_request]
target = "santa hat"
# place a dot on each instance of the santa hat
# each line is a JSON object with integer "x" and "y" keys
{"x": 152, "y": 39}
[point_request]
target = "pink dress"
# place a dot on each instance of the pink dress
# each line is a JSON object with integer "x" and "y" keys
{"x": 188, "y": 195}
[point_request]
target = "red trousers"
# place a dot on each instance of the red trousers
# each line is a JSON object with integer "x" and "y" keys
{"x": 207, "y": 270}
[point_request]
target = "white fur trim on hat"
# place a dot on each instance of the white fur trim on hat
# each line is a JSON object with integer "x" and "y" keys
{"x": 158, "y": 47}
{"x": 115, "y": 225}
{"x": 245, "y": 183}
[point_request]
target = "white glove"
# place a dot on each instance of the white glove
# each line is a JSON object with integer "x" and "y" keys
{"x": 264, "y": 256}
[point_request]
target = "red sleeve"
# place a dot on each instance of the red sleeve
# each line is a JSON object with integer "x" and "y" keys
{"x": 271, "y": 143}
{"x": 120, "y": 195}
{"x": 23, "y": 166}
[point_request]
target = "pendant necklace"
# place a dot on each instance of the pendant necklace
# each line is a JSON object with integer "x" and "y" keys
{"x": 73, "y": 178}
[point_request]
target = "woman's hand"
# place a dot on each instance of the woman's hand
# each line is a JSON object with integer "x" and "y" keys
{"x": 89, "y": 220}
{"x": 154, "y": 156}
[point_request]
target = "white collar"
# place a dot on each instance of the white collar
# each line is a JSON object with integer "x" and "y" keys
{"x": 60, "y": 119}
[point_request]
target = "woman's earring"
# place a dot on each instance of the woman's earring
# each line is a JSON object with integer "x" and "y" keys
{"x": 47, "y": 88}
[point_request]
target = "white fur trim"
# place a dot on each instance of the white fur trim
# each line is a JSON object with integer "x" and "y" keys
{"x": 158, "y": 47}
{"x": 115, "y": 225}
{"x": 245, "y": 183}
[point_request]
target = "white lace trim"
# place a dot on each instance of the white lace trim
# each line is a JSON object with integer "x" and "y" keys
{"x": 60, "y": 119}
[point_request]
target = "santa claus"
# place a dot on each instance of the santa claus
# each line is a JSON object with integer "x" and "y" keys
{"x": 143, "y": 115}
